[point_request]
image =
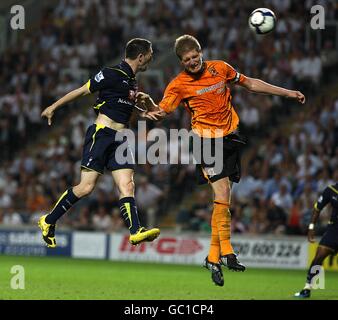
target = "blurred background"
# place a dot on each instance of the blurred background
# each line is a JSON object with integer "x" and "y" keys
{"x": 292, "y": 153}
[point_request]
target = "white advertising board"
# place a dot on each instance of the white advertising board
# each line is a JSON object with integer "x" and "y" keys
{"x": 91, "y": 245}
{"x": 253, "y": 252}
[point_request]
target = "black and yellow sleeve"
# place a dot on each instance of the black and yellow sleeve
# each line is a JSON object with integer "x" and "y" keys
{"x": 102, "y": 80}
{"x": 88, "y": 86}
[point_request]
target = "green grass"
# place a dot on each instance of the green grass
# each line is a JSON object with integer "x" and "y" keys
{"x": 65, "y": 278}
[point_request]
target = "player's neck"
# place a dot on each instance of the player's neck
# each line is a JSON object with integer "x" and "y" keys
{"x": 133, "y": 64}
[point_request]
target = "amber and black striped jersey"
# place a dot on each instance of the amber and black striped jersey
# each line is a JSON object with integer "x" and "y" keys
{"x": 117, "y": 89}
{"x": 329, "y": 195}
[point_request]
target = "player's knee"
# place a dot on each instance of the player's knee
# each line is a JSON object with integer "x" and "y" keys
{"x": 222, "y": 194}
{"x": 222, "y": 197}
{"x": 84, "y": 189}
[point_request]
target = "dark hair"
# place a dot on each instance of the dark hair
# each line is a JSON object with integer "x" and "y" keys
{"x": 185, "y": 44}
{"x": 137, "y": 46}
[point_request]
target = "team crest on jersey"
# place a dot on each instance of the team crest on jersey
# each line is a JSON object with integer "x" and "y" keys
{"x": 99, "y": 77}
{"x": 213, "y": 71}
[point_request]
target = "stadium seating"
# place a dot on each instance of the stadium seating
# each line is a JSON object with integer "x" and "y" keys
{"x": 283, "y": 173}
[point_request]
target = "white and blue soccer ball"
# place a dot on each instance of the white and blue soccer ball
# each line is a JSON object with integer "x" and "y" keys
{"x": 262, "y": 20}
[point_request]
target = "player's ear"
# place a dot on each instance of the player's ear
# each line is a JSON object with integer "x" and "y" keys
{"x": 139, "y": 57}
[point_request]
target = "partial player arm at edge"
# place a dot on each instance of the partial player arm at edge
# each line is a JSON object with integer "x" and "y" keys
{"x": 259, "y": 86}
{"x": 311, "y": 228}
{"x": 49, "y": 111}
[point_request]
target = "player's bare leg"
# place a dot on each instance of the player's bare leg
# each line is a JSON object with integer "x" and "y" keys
{"x": 48, "y": 221}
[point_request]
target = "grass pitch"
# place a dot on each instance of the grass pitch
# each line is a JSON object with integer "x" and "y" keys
{"x": 76, "y": 279}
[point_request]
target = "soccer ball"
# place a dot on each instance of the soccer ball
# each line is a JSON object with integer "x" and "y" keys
{"x": 262, "y": 20}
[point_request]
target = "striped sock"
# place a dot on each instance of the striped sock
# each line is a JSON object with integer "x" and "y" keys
{"x": 129, "y": 213}
{"x": 65, "y": 202}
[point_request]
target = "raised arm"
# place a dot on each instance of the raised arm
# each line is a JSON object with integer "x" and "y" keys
{"x": 259, "y": 86}
{"x": 79, "y": 92}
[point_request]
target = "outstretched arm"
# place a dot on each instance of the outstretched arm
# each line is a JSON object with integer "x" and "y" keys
{"x": 153, "y": 111}
{"x": 49, "y": 111}
{"x": 259, "y": 86}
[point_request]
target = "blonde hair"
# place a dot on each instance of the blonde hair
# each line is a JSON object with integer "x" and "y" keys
{"x": 185, "y": 44}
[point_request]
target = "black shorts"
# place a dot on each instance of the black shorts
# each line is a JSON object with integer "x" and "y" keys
{"x": 102, "y": 150}
{"x": 226, "y": 158}
{"x": 330, "y": 237}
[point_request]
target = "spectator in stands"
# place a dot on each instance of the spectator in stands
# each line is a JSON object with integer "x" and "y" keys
{"x": 282, "y": 198}
{"x": 5, "y": 199}
{"x": 276, "y": 217}
{"x": 102, "y": 220}
{"x": 201, "y": 212}
{"x": 117, "y": 224}
{"x": 148, "y": 197}
{"x": 272, "y": 185}
{"x": 12, "y": 218}
{"x": 294, "y": 219}
{"x": 83, "y": 220}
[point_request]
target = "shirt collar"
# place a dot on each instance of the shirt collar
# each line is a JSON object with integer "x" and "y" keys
{"x": 199, "y": 73}
{"x": 127, "y": 68}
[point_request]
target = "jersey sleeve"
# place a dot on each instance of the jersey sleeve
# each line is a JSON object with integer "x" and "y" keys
{"x": 323, "y": 199}
{"x": 100, "y": 81}
{"x": 172, "y": 97}
{"x": 232, "y": 75}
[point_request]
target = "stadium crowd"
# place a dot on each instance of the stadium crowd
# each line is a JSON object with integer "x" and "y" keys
{"x": 78, "y": 36}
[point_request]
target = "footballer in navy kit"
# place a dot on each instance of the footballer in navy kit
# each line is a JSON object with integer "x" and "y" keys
{"x": 117, "y": 89}
{"x": 328, "y": 244}
{"x": 117, "y": 99}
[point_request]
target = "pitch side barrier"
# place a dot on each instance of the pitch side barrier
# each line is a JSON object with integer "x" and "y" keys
{"x": 184, "y": 248}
